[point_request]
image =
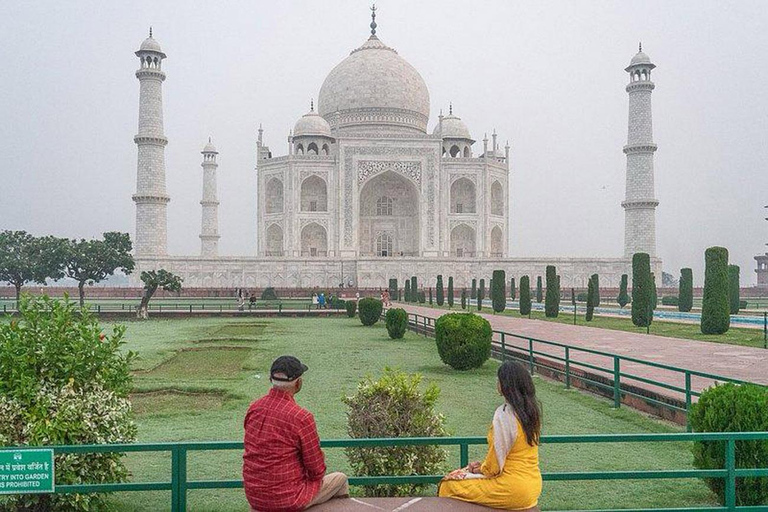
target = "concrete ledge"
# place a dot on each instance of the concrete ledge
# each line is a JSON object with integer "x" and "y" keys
{"x": 401, "y": 504}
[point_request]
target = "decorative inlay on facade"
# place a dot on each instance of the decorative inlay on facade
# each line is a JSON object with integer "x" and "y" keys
{"x": 306, "y": 174}
{"x": 313, "y": 220}
{"x": 470, "y": 176}
{"x": 466, "y": 222}
{"x": 369, "y": 168}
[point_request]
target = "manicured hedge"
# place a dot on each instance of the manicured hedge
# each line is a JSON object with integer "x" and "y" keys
{"x": 685, "y": 303}
{"x": 590, "y": 298}
{"x": 450, "y": 291}
{"x": 396, "y": 320}
{"x": 670, "y": 300}
{"x": 414, "y": 289}
{"x": 463, "y": 299}
{"x": 623, "y": 298}
{"x": 422, "y": 297}
{"x": 733, "y": 288}
{"x": 440, "y": 291}
{"x": 525, "y": 296}
{"x": 480, "y": 294}
{"x": 715, "y": 309}
{"x": 407, "y": 293}
{"x": 512, "y": 289}
{"x": 596, "y": 299}
{"x": 430, "y": 296}
{"x": 369, "y": 310}
{"x": 642, "y": 290}
{"x": 552, "y": 302}
{"x": 498, "y": 292}
{"x": 351, "y": 306}
{"x": 393, "y": 288}
{"x": 539, "y": 290}
{"x": 463, "y": 340}
{"x": 473, "y": 294}
{"x": 269, "y": 294}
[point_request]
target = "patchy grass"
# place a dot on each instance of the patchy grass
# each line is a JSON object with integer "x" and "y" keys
{"x": 202, "y": 363}
{"x": 173, "y": 401}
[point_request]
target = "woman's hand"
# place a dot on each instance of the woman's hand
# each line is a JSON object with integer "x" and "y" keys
{"x": 474, "y": 467}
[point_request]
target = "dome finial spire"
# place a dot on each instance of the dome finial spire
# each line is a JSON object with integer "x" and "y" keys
{"x": 312, "y": 105}
{"x": 450, "y": 108}
{"x": 150, "y": 31}
{"x": 640, "y": 46}
{"x": 373, "y": 20}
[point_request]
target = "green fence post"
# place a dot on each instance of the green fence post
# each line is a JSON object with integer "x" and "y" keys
{"x": 175, "y": 479}
{"x": 730, "y": 467}
{"x": 280, "y": 308}
{"x": 464, "y": 451}
{"x": 616, "y": 382}
{"x": 160, "y": 308}
{"x": 99, "y": 308}
{"x": 503, "y": 348}
{"x": 567, "y": 368}
{"x": 190, "y": 308}
{"x": 688, "y": 401}
{"x": 530, "y": 354}
{"x": 425, "y": 327}
{"x": 221, "y": 308}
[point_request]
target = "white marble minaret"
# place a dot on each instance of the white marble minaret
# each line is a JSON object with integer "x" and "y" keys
{"x": 150, "y": 198}
{"x": 209, "y": 232}
{"x": 640, "y": 203}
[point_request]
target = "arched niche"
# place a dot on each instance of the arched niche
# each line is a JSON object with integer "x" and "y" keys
{"x": 274, "y": 196}
{"x": 463, "y": 196}
{"x": 314, "y": 194}
{"x": 274, "y": 240}
{"x": 497, "y": 199}
{"x": 389, "y": 203}
{"x": 314, "y": 241}
{"x": 463, "y": 241}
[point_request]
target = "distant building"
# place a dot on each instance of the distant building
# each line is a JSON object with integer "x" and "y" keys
{"x": 762, "y": 268}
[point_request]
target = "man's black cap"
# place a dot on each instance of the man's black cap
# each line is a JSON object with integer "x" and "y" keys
{"x": 289, "y": 366}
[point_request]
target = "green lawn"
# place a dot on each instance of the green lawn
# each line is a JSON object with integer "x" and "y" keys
{"x": 196, "y": 377}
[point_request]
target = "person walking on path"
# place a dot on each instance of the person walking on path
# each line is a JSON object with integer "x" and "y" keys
{"x": 283, "y": 465}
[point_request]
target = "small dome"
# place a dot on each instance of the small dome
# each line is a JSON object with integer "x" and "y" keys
{"x": 150, "y": 45}
{"x": 453, "y": 128}
{"x": 312, "y": 124}
{"x": 209, "y": 148}
{"x": 640, "y": 58}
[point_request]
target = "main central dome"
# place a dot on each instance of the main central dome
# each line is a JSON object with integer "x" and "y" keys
{"x": 375, "y": 88}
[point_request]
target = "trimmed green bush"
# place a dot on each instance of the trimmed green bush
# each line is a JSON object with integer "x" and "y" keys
{"x": 685, "y": 303}
{"x": 463, "y": 299}
{"x": 642, "y": 289}
{"x": 422, "y": 297}
{"x": 539, "y": 290}
{"x": 734, "y": 288}
{"x": 584, "y": 296}
{"x": 407, "y": 293}
{"x": 396, "y": 321}
{"x": 393, "y": 406}
{"x": 393, "y": 289}
{"x": 623, "y": 298}
{"x": 715, "y": 308}
{"x": 414, "y": 289}
{"x": 596, "y": 299}
{"x": 268, "y": 294}
{"x": 480, "y": 294}
{"x": 733, "y": 408}
{"x": 654, "y": 293}
{"x": 591, "y": 298}
{"x": 450, "y": 291}
{"x": 512, "y": 289}
{"x": 351, "y": 306}
{"x": 463, "y": 340}
{"x": 430, "y": 296}
{"x": 369, "y": 310}
{"x": 525, "y": 296}
{"x": 670, "y": 300}
{"x": 440, "y": 291}
{"x": 552, "y": 300}
{"x": 498, "y": 292}
{"x": 473, "y": 294}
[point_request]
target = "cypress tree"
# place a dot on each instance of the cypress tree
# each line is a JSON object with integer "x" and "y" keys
{"x": 439, "y": 291}
{"x": 654, "y": 294}
{"x": 715, "y": 308}
{"x": 430, "y": 296}
{"x": 623, "y": 298}
{"x": 733, "y": 288}
{"x": 463, "y": 298}
{"x": 450, "y": 291}
{"x": 498, "y": 292}
{"x": 552, "y": 300}
{"x": 407, "y": 293}
{"x": 642, "y": 288}
{"x": 539, "y": 291}
{"x": 512, "y": 289}
{"x": 480, "y": 294}
{"x": 474, "y": 289}
{"x": 393, "y": 288}
{"x": 525, "y": 296}
{"x": 414, "y": 289}
{"x": 591, "y": 297}
{"x": 685, "y": 298}
{"x": 596, "y": 279}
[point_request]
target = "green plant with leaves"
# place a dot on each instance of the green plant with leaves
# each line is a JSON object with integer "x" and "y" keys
{"x": 591, "y": 298}
{"x": 396, "y": 321}
{"x": 450, "y": 292}
{"x": 430, "y": 296}
{"x": 92, "y": 261}
{"x": 154, "y": 279}
{"x": 498, "y": 291}
{"x": 269, "y": 294}
{"x": 394, "y": 406}
{"x": 734, "y": 289}
{"x": 29, "y": 259}
{"x": 733, "y": 408}
{"x": 422, "y": 297}
{"x": 407, "y": 293}
{"x": 64, "y": 381}
{"x": 463, "y": 340}
{"x": 685, "y": 303}
{"x": 464, "y": 299}
{"x": 525, "y": 296}
{"x": 642, "y": 290}
{"x": 539, "y": 290}
{"x": 440, "y": 293}
{"x": 552, "y": 299}
{"x": 512, "y": 289}
{"x": 369, "y": 310}
{"x": 473, "y": 293}
{"x": 654, "y": 292}
{"x": 670, "y": 300}
{"x": 415, "y": 296}
{"x": 351, "y": 307}
{"x": 715, "y": 307}
{"x": 480, "y": 295}
{"x": 623, "y": 298}
{"x": 596, "y": 279}
{"x": 393, "y": 289}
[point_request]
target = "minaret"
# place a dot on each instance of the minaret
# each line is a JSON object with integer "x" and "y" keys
{"x": 150, "y": 198}
{"x": 640, "y": 202}
{"x": 209, "y": 232}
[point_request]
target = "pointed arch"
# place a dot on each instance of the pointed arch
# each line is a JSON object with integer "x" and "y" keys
{"x": 274, "y": 240}
{"x": 314, "y": 194}
{"x": 463, "y": 196}
{"x": 497, "y": 199}
{"x": 463, "y": 241}
{"x": 274, "y": 196}
{"x": 314, "y": 241}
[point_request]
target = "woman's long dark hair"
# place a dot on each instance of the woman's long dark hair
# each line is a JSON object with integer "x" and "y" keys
{"x": 517, "y": 387}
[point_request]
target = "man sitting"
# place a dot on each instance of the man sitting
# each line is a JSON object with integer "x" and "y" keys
{"x": 283, "y": 465}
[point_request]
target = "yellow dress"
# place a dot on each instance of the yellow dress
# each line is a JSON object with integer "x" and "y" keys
{"x": 516, "y": 487}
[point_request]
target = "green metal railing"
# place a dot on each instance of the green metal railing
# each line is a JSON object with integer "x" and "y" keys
{"x": 179, "y": 484}
{"x": 538, "y": 353}
{"x": 191, "y": 307}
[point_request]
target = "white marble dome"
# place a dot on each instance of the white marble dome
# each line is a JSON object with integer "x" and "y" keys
{"x": 374, "y": 86}
{"x": 150, "y": 45}
{"x": 209, "y": 148}
{"x": 453, "y": 128}
{"x": 640, "y": 58}
{"x": 312, "y": 124}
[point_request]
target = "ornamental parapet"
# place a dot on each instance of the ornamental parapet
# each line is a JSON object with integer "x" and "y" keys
{"x": 378, "y": 116}
{"x": 151, "y": 199}
{"x": 643, "y": 204}
{"x": 155, "y": 140}
{"x": 150, "y": 73}
{"x": 209, "y": 203}
{"x": 644, "y": 147}
{"x": 209, "y": 237}
{"x": 641, "y": 86}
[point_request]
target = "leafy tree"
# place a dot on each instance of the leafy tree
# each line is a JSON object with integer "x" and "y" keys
{"x": 525, "y": 296}
{"x": 642, "y": 290}
{"x": 393, "y": 289}
{"x": 463, "y": 299}
{"x": 654, "y": 292}
{"x": 623, "y": 298}
{"x": 154, "y": 279}
{"x": 440, "y": 291}
{"x": 473, "y": 294}
{"x": 396, "y": 321}
{"x": 715, "y": 308}
{"x": 463, "y": 340}
{"x": 685, "y": 301}
{"x": 407, "y": 290}
{"x": 92, "y": 261}
{"x": 498, "y": 293}
{"x": 369, "y": 310}
{"x": 591, "y": 298}
{"x": 539, "y": 290}
{"x": 414, "y": 289}
{"x": 733, "y": 288}
{"x": 512, "y": 289}
{"x": 450, "y": 291}
{"x": 28, "y": 259}
{"x": 552, "y": 301}
{"x": 480, "y": 294}
{"x": 430, "y": 296}
{"x": 596, "y": 279}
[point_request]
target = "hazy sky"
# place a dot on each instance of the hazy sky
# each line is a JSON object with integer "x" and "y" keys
{"x": 548, "y": 75}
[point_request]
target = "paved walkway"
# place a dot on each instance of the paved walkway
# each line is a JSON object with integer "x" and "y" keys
{"x": 737, "y": 362}
{"x": 397, "y": 505}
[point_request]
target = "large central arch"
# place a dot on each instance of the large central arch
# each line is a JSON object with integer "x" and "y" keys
{"x": 389, "y": 210}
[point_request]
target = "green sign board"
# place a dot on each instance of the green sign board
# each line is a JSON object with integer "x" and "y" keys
{"x": 26, "y": 471}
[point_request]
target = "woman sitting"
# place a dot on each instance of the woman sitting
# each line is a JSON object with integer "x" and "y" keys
{"x": 509, "y": 477}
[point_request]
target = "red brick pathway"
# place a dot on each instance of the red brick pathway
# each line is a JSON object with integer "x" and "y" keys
{"x": 737, "y": 362}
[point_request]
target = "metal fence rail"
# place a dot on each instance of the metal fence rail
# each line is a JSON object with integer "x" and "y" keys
{"x": 197, "y": 306}
{"x": 179, "y": 483}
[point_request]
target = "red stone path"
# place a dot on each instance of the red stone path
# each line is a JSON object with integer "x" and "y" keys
{"x": 397, "y": 505}
{"x": 737, "y": 362}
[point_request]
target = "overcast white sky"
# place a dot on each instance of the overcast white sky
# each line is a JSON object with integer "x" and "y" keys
{"x": 548, "y": 75}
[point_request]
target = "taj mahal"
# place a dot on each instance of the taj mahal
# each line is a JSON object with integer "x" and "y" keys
{"x": 372, "y": 189}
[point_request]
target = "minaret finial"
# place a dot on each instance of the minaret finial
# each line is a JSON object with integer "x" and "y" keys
{"x": 209, "y": 139}
{"x": 312, "y": 105}
{"x": 450, "y": 108}
{"x": 640, "y": 46}
{"x": 150, "y": 31}
{"x": 373, "y": 20}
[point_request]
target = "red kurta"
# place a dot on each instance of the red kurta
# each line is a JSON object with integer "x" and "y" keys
{"x": 283, "y": 465}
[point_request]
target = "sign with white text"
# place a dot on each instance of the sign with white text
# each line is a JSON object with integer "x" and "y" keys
{"x": 26, "y": 471}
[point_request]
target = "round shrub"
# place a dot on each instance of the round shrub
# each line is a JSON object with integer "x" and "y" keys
{"x": 670, "y": 300}
{"x": 715, "y": 307}
{"x": 369, "y": 310}
{"x": 268, "y": 294}
{"x": 733, "y": 408}
{"x": 463, "y": 340}
{"x": 351, "y": 308}
{"x": 397, "y": 323}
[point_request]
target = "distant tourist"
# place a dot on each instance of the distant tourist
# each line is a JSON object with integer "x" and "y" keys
{"x": 321, "y": 300}
{"x": 509, "y": 477}
{"x": 283, "y": 465}
{"x": 252, "y": 301}
{"x": 314, "y": 301}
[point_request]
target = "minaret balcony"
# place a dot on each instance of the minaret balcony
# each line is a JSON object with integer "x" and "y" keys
{"x": 646, "y": 85}
{"x": 643, "y": 147}
{"x": 151, "y": 199}
{"x": 157, "y": 140}
{"x": 151, "y": 73}
{"x": 640, "y": 204}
